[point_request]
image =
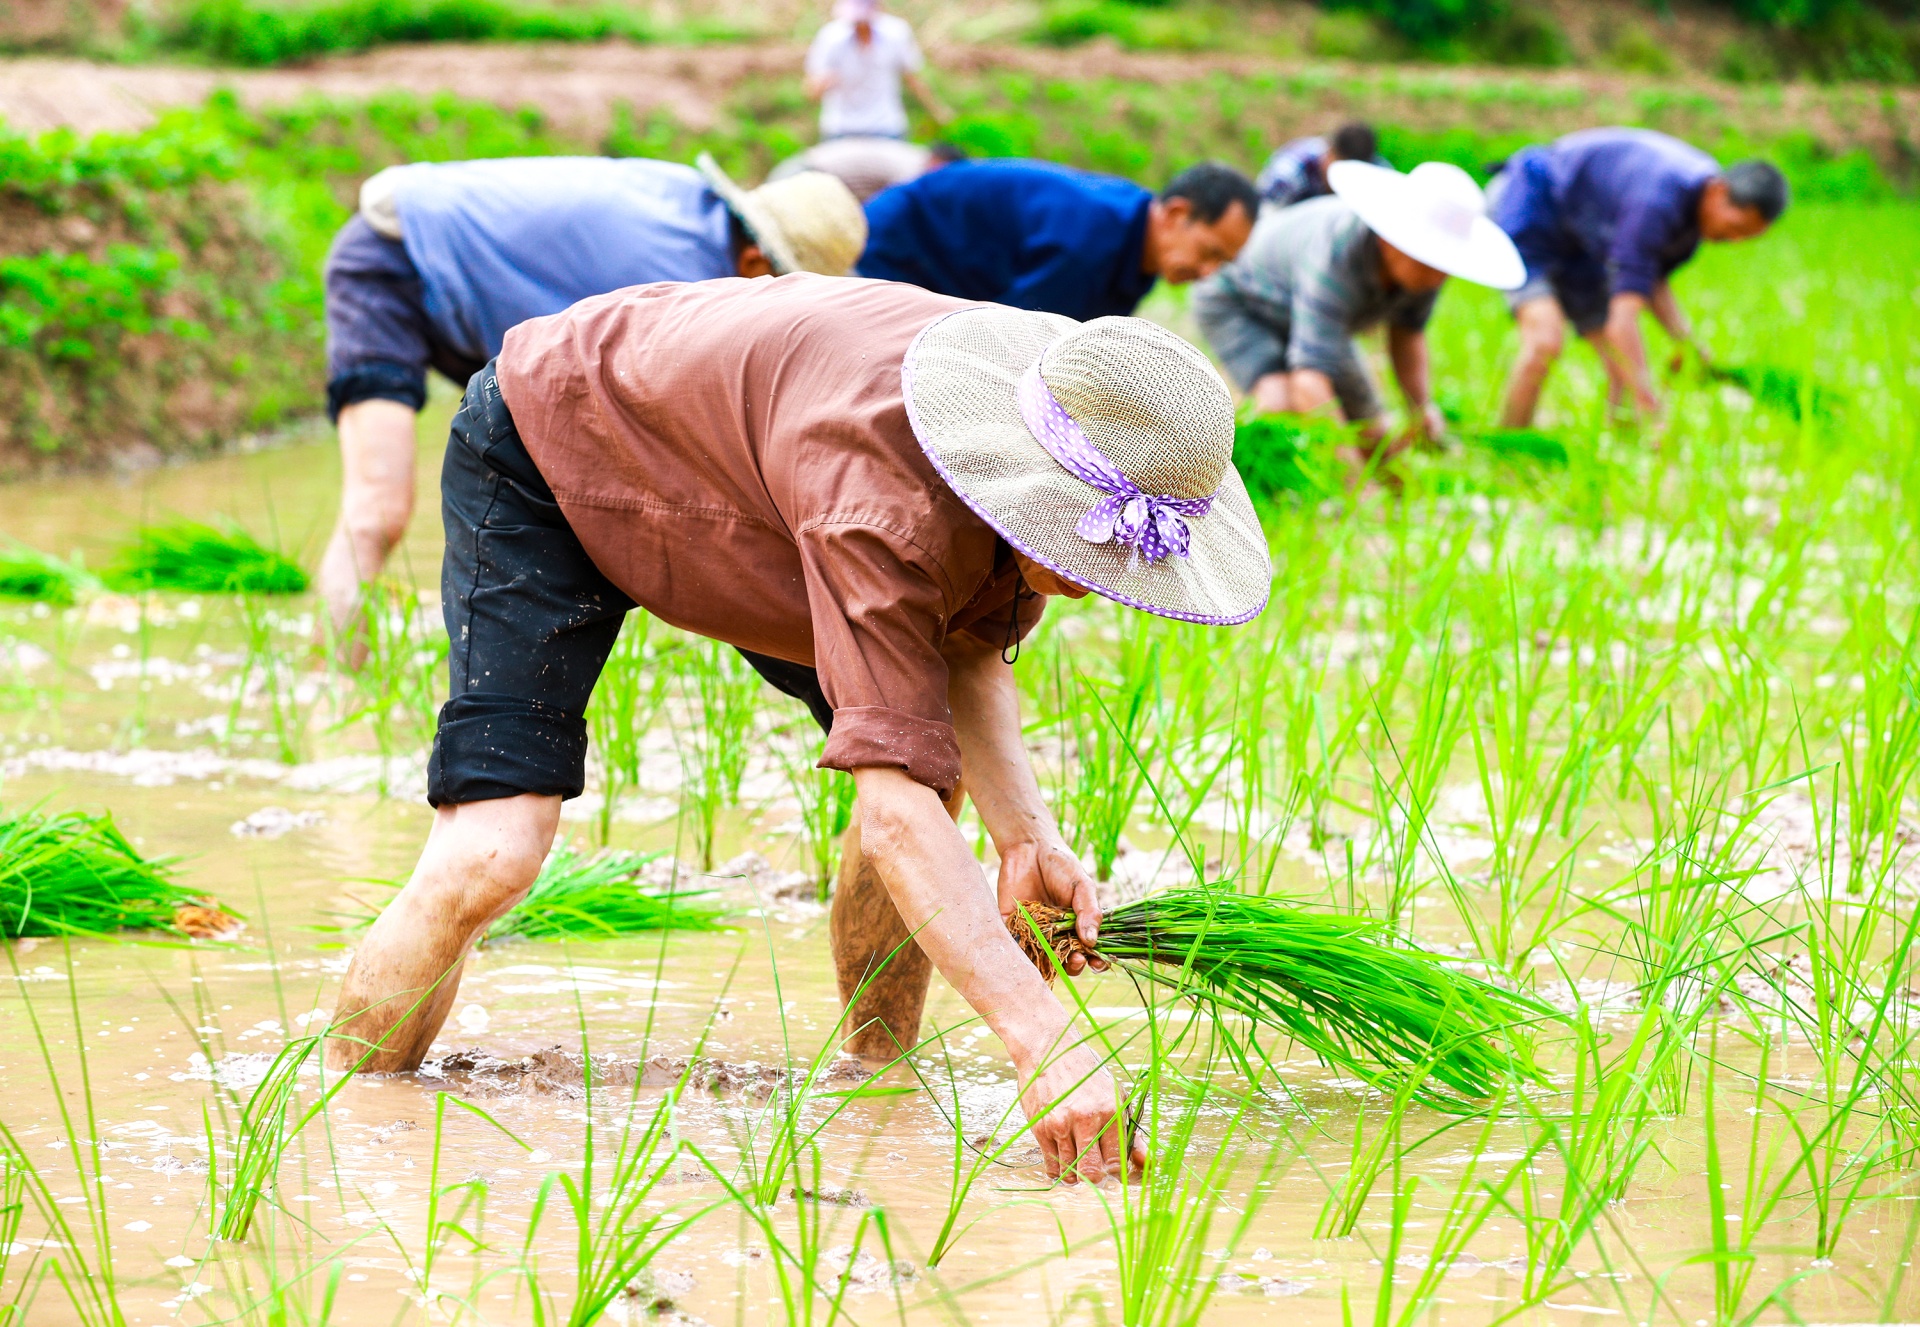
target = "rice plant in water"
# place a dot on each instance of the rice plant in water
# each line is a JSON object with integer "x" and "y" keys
{"x": 1337, "y": 985}
{"x": 589, "y": 897}
{"x": 1278, "y": 454}
{"x": 202, "y": 559}
{"x": 76, "y": 874}
{"x": 27, "y": 573}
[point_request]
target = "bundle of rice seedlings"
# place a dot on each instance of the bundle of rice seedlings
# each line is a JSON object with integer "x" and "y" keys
{"x": 202, "y": 559}
{"x": 1521, "y": 444}
{"x": 578, "y": 897}
{"x": 1780, "y": 389}
{"x": 1278, "y": 454}
{"x": 76, "y": 874}
{"x": 1338, "y": 985}
{"x": 27, "y": 573}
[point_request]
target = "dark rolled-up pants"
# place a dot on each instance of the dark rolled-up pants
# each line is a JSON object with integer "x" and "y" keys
{"x": 530, "y": 622}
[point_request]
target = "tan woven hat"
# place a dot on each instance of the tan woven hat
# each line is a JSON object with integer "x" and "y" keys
{"x": 1102, "y": 450}
{"x": 809, "y": 222}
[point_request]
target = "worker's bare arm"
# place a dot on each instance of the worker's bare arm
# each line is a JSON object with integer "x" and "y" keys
{"x": 1310, "y": 392}
{"x": 934, "y": 881}
{"x": 1035, "y": 863}
{"x": 923, "y": 92}
{"x": 1625, "y": 351}
{"x": 1673, "y": 319}
{"x": 817, "y": 86}
{"x": 1412, "y": 369}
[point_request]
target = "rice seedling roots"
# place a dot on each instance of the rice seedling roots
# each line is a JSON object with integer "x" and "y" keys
{"x": 1048, "y": 939}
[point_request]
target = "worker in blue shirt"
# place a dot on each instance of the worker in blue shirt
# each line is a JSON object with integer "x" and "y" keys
{"x": 1039, "y": 236}
{"x": 1602, "y": 219}
{"x": 444, "y": 257}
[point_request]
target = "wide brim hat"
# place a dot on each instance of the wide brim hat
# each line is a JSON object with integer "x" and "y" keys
{"x": 808, "y": 222}
{"x": 1155, "y": 408}
{"x": 1435, "y": 214}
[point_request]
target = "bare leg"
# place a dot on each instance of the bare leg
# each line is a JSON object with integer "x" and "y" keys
{"x": 479, "y": 861}
{"x": 376, "y": 502}
{"x": 866, "y": 928}
{"x": 1542, "y": 334}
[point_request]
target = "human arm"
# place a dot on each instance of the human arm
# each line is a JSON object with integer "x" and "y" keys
{"x": 1625, "y": 351}
{"x": 930, "y": 873}
{"x": 1412, "y": 369}
{"x": 923, "y": 93}
{"x": 1673, "y": 319}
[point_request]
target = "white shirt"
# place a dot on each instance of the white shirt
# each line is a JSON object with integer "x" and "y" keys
{"x": 865, "y": 96}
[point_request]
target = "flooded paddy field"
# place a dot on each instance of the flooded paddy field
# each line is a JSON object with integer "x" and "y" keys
{"x": 1637, "y": 735}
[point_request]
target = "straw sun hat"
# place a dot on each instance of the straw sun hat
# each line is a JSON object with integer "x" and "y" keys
{"x": 1435, "y": 214}
{"x": 809, "y": 222}
{"x": 1102, "y": 450}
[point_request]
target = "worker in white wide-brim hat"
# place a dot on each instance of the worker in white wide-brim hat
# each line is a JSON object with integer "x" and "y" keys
{"x": 1283, "y": 316}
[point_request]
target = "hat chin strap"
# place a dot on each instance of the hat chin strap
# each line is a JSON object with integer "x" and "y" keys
{"x": 1153, "y": 523}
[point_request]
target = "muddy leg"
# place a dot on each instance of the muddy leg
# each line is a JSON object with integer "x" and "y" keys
{"x": 479, "y": 861}
{"x": 866, "y": 927}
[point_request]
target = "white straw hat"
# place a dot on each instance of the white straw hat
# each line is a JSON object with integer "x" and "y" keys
{"x": 1437, "y": 215}
{"x": 1102, "y": 450}
{"x": 808, "y": 222}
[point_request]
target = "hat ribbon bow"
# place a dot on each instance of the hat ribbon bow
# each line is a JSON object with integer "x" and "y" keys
{"x": 1154, "y": 523}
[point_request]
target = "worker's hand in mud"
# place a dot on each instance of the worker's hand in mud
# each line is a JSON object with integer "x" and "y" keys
{"x": 1076, "y": 1117}
{"x": 1050, "y": 873}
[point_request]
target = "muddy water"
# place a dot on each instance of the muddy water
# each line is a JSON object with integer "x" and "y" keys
{"x": 173, "y": 1036}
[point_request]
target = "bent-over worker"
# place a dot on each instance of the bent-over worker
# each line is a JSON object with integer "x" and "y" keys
{"x": 1051, "y": 238}
{"x": 1603, "y": 218}
{"x": 444, "y": 257}
{"x": 878, "y": 485}
{"x": 1283, "y": 316}
{"x": 1297, "y": 170}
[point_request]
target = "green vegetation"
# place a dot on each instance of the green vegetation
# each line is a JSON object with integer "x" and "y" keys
{"x": 27, "y": 573}
{"x": 247, "y": 32}
{"x": 1280, "y": 454}
{"x": 198, "y": 558}
{"x": 1338, "y": 987}
{"x": 583, "y": 897}
{"x": 76, "y": 874}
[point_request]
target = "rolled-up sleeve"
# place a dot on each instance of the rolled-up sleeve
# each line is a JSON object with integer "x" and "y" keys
{"x": 879, "y": 606}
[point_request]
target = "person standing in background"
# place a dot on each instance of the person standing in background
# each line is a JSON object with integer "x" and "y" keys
{"x": 855, "y": 68}
{"x": 1297, "y": 171}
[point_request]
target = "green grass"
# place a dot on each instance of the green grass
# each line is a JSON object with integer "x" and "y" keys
{"x": 76, "y": 874}
{"x": 1282, "y": 454}
{"x": 199, "y": 558}
{"x": 582, "y": 897}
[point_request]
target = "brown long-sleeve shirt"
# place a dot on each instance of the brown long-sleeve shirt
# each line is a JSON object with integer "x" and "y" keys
{"x": 735, "y": 455}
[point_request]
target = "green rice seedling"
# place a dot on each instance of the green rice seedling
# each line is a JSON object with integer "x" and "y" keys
{"x": 1289, "y": 454}
{"x": 199, "y": 558}
{"x": 1518, "y": 445}
{"x": 1337, "y": 985}
{"x": 27, "y": 573}
{"x": 1108, "y": 747}
{"x": 76, "y": 874}
{"x": 826, "y": 798}
{"x": 14, "y": 1168}
{"x": 582, "y": 897}
{"x": 1781, "y": 389}
{"x": 401, "y": 682}
{"x": 625, "y": 702}
{"x": 721, "y": 704}
{"x": 270, "y": 673}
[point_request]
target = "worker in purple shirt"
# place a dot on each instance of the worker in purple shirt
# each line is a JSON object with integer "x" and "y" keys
{"x": 1297, "y": 170}
{"x": 1602, "y": 219}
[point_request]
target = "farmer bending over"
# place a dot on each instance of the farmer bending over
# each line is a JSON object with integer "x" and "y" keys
{"x": 443, "y": 258}
{"x": 1046, "y": 237}
{"x": 876, "y": 484}
{"x": 1603, "y": 218}
{"x": 1283, "y": 316}
{"x": 1297, "y": 170}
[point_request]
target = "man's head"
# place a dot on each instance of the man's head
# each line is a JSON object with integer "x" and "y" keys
{"x": 860, "y": 13}
{"x": 1743, "y": 202}
{"x": 1405, "y": 272}
{"x": 1199, "y": 223}
{"x": 1353, "y": 142}
{"x": 807, "y": 222}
